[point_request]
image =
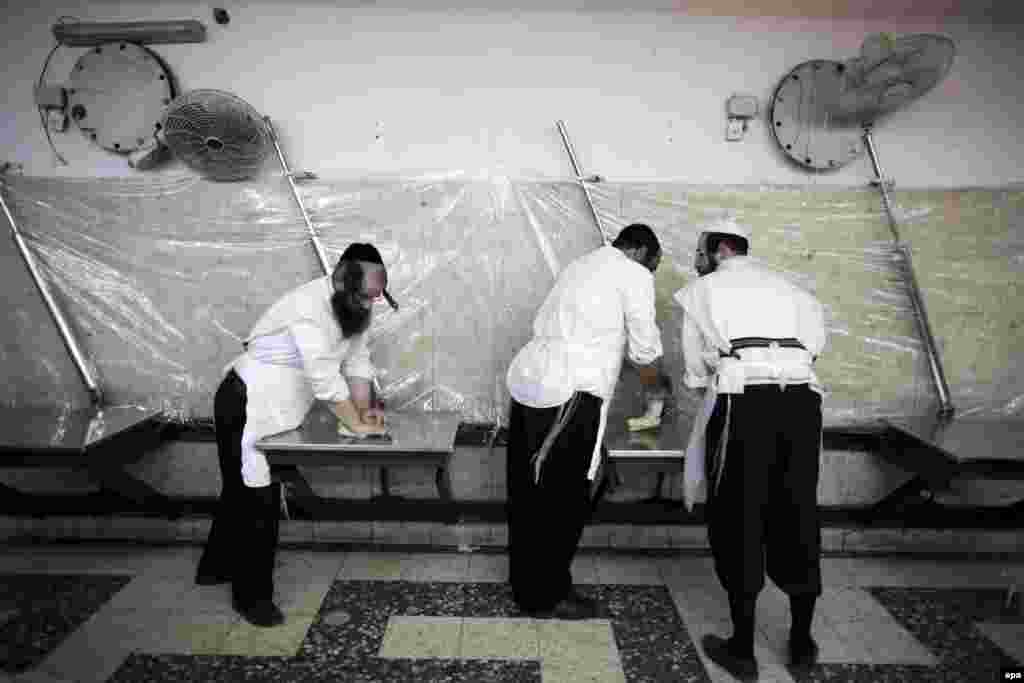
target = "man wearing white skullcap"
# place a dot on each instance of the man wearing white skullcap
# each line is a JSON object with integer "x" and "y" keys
{"x": 750, "y": 338}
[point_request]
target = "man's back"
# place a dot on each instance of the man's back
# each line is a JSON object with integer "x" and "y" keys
{"x": 744, "y": 298}
{"x": 580, "y": 331}
{"x": 585, "y": 305}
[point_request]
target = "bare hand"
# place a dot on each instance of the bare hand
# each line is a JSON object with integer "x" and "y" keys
{"x": 373, "y": 416}
{"x": 649, "y": 375}
{"x": 349, "y": 415}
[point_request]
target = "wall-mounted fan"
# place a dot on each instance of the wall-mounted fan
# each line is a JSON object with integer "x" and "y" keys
{"x": 820, "y": 109}
{"x": 822, "y": 114}
{"x": 214, "y": 132}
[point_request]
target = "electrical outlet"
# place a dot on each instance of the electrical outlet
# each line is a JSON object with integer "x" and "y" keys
{"x": 57, "y": 120}
{"x": 734, "y": 129}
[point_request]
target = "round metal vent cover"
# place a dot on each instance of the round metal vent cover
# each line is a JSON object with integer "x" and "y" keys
{"x": 117, "y": 92}
{"x": 801, "y": 117}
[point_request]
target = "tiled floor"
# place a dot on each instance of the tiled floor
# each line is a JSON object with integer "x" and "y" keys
{"x": 130, "y": 613}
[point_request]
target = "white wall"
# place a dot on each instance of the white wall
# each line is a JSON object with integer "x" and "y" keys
{"x": 374, "y": 89}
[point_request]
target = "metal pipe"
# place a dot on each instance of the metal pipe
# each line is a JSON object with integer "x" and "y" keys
{"x": 95, "y": 393}
{"x": 320, "y": 254}
{"x": 873, "y": 155}
{"x": 88, "y": 34}
{"x": 916, "y": 300}
{"x": 579, "y": 178}
{"x": 314, "y": 238}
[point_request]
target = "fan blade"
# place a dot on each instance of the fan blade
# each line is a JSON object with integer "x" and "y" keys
{"x": 890, "y": 75}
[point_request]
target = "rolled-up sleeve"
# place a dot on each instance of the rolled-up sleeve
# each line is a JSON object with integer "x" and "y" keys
{"x": 642, "y": 333}
{"x": 321, "y": 366}
{"x": 358, "y": 364}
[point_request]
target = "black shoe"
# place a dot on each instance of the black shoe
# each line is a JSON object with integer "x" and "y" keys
{"x": 566, "y": 609}
{"x": 262, "y": 613}
{"x": 578, "y": 598}
{"x": 571, "y": 609}
{"x": 203, "y": 579}
{"x": 803, "y": 654}
{"x": 719, "y": 651}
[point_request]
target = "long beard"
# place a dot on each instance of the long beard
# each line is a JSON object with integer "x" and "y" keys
{"x": 353, "y": 318}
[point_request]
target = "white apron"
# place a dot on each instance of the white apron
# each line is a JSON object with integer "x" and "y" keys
{"x": 595, "y": 458}
{"x": 694, "y": 466}
{"x": 277, "y": 400}
{"x": 728, "y": 378}
{"x": 553, "y": 376}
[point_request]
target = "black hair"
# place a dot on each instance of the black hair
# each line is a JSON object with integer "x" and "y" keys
{"x": 350, "y": 269}
{"x": 352, "y": 276}
{"x": 362, "y": 251}
{"x": 738, "y": 244}
{"x": 638, "y": 235}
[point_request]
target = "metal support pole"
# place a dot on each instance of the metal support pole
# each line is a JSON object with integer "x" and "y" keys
{"x": 95, "y": 393}
{"x": 580, "y": 179}
{"x": 917, "y": 301}
{"x": 320, "y": 254}
{"x": 314, "y": 238}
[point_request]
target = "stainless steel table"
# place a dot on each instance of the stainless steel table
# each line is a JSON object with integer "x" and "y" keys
{"x": 649, "y": 447}
{"x": 661, "y": 450}
{"x": 100, "y": 439}
{"x": 938, "y": 450}
{"x": 420, "y": 439}
{"x": 967, "y": 440}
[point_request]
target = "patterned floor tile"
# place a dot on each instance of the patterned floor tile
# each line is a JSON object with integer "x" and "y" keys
{"x": 421, "y": 638}
{"x": 508, "y": 638}
{"x": 158, "y": 627}
{"x": 389, "y": 631}
{"x": 944, "y": 622}
{"x": 1010, "y": 637}
{"x": 42, "y": 610}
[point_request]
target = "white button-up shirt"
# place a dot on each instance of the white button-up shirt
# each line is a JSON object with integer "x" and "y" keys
{"x": 744, "y": 298}
{"x": 602, "y": 305}
{"x": 296, "y": 353}
{"x": 304, "y": 316}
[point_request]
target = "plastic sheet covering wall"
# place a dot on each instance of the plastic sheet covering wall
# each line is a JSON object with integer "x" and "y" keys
{"x": 161, "y": 278}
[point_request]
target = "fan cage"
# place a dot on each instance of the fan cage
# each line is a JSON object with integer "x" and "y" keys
{"x": 216, "y": 133}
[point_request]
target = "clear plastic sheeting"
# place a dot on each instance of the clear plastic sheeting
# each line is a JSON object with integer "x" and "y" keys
{"x": 161, "y": 278}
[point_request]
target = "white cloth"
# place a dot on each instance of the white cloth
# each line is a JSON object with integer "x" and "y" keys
{"x": 295, "y": 355}
{"x": 601, "y": 306}
{"x": 595, "y": 458}
{"x": 694, "y": 475}
{"x": 743, "y": 298}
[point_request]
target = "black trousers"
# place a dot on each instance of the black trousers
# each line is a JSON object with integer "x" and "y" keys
{"x": 243, "y": 539}
{"x": 546, "y": 519}
{"x": 763, "y": 516}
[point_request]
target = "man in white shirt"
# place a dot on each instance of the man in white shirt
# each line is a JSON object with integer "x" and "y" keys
{"x": 750, "y": 338}
{"x": 561, "y": 383}
{"x": 292, "y": 357}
